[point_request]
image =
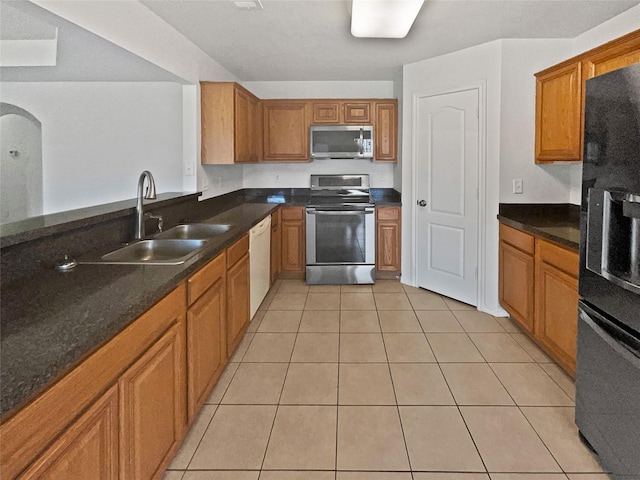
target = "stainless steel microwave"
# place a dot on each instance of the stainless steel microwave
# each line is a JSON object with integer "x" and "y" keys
{"x": 341, "y": 142}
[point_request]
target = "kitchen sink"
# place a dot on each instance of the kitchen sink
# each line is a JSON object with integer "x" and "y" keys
{"x": 155, "y": 252}
{"x": 201, "y": 231}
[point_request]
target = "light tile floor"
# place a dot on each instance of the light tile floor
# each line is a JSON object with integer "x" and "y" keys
{"x": 384, "y": 382}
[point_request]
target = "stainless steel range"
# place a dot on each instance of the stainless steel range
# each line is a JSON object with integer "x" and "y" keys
{"x": 340, "y": 231}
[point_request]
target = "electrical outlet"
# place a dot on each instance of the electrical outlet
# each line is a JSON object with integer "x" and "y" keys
{"x": 276, "y": 178}
{"x": 188, "y": 169}
{"x": 517, "y": 186}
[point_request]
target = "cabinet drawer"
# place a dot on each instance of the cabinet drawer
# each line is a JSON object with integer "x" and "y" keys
{"x": 205, "y": 277}
{"x": 516, "y": 238}
{"x": 561, "y": 258}
{"x": 237, "y": 250}
{"x": 292, "y": 213}
{"x": 388, "y": 213}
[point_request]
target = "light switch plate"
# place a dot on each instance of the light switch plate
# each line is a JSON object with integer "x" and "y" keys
{"x": 517, "y": 186}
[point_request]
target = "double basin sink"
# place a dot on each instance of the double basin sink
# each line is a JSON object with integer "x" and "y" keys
{"x": 171, "y": 247}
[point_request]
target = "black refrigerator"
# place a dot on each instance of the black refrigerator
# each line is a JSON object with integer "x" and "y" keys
{"x": 608, "y": 361}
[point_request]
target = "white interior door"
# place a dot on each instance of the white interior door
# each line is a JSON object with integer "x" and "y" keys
{"x": 447, "y": 157}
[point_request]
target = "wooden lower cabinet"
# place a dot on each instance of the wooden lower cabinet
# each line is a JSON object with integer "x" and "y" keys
{"x": 238, "y": 284}
{"x": 87, "y": 450}
{"x": 206, "y": 335}
{"x": 152, "y": 408}
{"x": 516, "y": 275}
{"x": 292, "y": 227}
{"x": 557, "y": 302}
{"x": 538, "y": 285}
{"x": 388, "y": 239}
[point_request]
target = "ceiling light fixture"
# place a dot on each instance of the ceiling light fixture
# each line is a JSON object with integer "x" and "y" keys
{"x": 383, "y": 18}
{"x": 248, "y": 4}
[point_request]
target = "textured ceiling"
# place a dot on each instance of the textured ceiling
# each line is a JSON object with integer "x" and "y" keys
{"x": 311, "y": 40}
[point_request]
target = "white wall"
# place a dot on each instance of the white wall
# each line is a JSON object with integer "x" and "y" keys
{"x": 290, "y": 175}
{"x": 542, "y": 183}
{"x": 619, "y": 25}
{"x": 472, "y": 66}
{"x": 98, "y": 137}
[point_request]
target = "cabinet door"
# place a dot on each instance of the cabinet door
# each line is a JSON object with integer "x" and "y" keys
{"x": 245, "y": 134}
{"x": 152, "y": 408}
{"x": 388, "y": 239}
{"x": 557, "y": 302}
{"x": 558, "y": 114}
{"x": 206, "y": 344}
{"x": 286, "y": 131}
{"x": 238, "y": 305}
{"x": 325, "y": 112}
{"x": 385, "y": 131}
{"x": 357, "y": 112}
{"x": 87, "y": 450}
{"x": 293, "y": 241}
{"x": 516, "y": 284}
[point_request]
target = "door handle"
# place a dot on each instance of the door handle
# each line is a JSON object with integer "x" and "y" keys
{"x": 422, "y": 203}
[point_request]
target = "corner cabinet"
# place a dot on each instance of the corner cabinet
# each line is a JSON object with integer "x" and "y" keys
{"x": 231, "y": 124}
{"x": 538, "y": 285}
{"x": 560, "y": 97}
{"x": 388, "y": 241}
{"x": 285, "y": 130}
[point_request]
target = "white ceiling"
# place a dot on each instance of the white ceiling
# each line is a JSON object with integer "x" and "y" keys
{"x": 311, "y": 40}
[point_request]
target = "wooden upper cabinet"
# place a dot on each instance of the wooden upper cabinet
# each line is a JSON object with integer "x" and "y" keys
{"x": 558, "y": 114}
{"x": 560, "y": 97}
{"x": 617, "y": 54}
{"x": 357, "y": 112}
{"x": 385, "y": 131}
{"x": 326, "y": 112}
{"x": 231, "y": 124}
{"x": 286, "y": 130}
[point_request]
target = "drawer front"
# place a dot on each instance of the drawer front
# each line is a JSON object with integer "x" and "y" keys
{"x": 236, "y": 251}
{"x": 561, "y": 258}
{"x": 205, "y": 277}
{"x": 517, "y": 238}
{"x": 388, "y": 213}
{"x": 292, "y": 213}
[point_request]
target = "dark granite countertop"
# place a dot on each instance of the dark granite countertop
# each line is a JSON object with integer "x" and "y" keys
{"x": 558, "y": 223}
{"x": 386, "y": 197}
{"x": 52, "y": 321}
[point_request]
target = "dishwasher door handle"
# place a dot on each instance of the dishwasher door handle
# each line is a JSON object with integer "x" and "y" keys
{"x": 340, "y": 212}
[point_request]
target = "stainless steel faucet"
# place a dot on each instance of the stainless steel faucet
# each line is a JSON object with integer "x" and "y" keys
{"x": 150, "y": 194}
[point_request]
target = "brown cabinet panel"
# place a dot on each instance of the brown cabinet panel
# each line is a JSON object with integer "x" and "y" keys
{"x": 388, "y": 233}
{"x": 517, "y": 238}
{"x": 206, "y": 342}
{"x": 292, "y": 229}
{"x": 357, "y": 112}
{"x": 385, "y": 131}
{"x": 231, "y": 124}
{"x": 326, "y": 112}
{"x": 152, "y": 408}
{"x": 617, "y": 54}
{"x": 286, "y": 130}
{"x": 87, "y": 450}
{"x": 236, "y": 251}
{"x": 238, "y": 284}
{"x": 516, "y": 284}
{"x": 204, "y": 278}
{"x": 557, "y": 306}
{"x": 558, "y": 114}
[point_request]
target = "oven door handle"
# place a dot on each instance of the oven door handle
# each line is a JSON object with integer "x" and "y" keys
{"x": 340, "y": 212}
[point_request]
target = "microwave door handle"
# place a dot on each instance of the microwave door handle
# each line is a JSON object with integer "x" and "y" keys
{"x": 361, "y": 143}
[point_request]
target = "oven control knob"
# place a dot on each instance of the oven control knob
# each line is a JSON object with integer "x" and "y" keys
{"x": 422, "y": 203}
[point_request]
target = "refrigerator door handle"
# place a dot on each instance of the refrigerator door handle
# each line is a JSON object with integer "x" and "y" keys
{"x": 622, "y": 349}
